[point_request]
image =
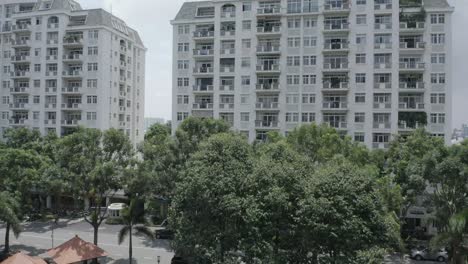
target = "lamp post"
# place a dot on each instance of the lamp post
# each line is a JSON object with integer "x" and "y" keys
{"x": 159, "y": 259}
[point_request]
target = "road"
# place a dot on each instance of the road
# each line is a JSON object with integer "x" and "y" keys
{"x": 36, "y": 238}
{"x": 397, "y": 260}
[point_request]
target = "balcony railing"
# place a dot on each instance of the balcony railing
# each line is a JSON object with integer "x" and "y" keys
{"x": 412, "y": 65}
{"x": 404, "y": 26}
{"x": 52, "y": 25}
{"x": 19, "y": 105}
{"x": 343, "y": 26}
{"x": 72, "y": 41}
{"x": 340, "y": 85}
{"x": 21, "y": 42}
{"x": 203, "y": 52}
{"x": 268, "y": 68}
{"x": 337, "y": 124}
{"x": 403, "y": 125}
{"x": 380, "y": 145}
{"x": 20, "y": 58}
{"x": 20, "y": 74}
{"x": 269, "y": 11}
{"x": 336, "y": 46}
{"x": 74, "y": 73}
{"x": 227, "y": 33}
{"x": 228, "y": 51}
{"x": 419, "y": 106}
{"x": 383, "y": 26}
{"x": 335, "y": 105}
{"x": 333, "y": 8}
{"x": 18, "y": 121}
{"x": 382, "y": 125}
{"x": 70, "y": 122}
{"x": 50, "y": 122}
{"x": 266, "y": 124}
{"x": 386, "y": 65}
{"x": 226, "y": 106}
{"x": 203, "y": 34}
{"x": 19, "y": 90}
{"x": 226, "y": 88}
{"x": 268, "y": 49}
{"x": 382, "y": 85}
{"x": 203, "y": 70}
{"x": 336, "y": 66}
{"x": 201, "y": 106}
{"x": 267, "y": 106}
{"x": 383, "y": 6}
{"x": 268, "y": 30}
{"x": 73, "y": 57}
{"x": 227, "y": 69}
{"x": 21, "y": 27}
{"x": 71, "y": 106}
{"x": 228, "y": 14}
{"x": 382, "y": 45}
{"x": 267, "y": 87}
{"x": 412, "y": 85}
{"x": 417, "y": 45}
{"x": 203, "y": 88}
{"x": 71, "y": 89}
{"x": 382, "y": 105}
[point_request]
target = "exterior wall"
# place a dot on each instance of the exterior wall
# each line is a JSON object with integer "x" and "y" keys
{"x": 109, "y": 114}
{"x": 369, "y": 128}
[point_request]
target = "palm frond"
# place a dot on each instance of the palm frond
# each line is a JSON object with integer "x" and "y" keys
{"x": 123, "y": 233}
{"x": 144, "y": 231}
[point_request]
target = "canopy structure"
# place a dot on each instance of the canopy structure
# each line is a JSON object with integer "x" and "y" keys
{"x": 21, "y": 258}
{"x": 75, "y": 250}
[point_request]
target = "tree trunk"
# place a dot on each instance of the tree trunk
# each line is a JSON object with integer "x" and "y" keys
{"x": 130, "y": 246}
{"x": 7, "y": 239}
{"x": 96, "y": 230}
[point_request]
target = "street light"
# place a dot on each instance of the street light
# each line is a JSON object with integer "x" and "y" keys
{"x": 159, "y": 259}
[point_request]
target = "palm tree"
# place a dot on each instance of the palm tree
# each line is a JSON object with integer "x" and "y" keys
{"x": 133, "y": 220}
{"x": 453, "y": 236}
{"x": 9, "y": 208}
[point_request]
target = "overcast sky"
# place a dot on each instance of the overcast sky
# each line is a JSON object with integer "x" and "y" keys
{"x": 151, "y": 19}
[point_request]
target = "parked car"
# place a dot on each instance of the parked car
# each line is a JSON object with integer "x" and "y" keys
{"x": 440, "y": 255}
{"x": 178, "y": 260}
{"x": 164, "y": 233}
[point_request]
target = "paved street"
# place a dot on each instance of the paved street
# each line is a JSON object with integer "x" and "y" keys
{"x": 406, "y": 260}
{"x": 36, "y": 239}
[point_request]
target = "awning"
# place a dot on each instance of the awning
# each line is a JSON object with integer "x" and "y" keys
{"x": 21, "y": 258}
{"x": 75, "y": 250}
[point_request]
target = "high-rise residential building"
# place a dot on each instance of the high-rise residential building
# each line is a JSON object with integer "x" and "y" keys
{"x": 369, "y": 68}
{"x": 64, "y": 67}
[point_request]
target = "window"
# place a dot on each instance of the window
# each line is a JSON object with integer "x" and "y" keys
{"x": 294, "y": 23}
{"x": 293, "y": 61}
{"x": 360, "y": 98}
{"x": 437, "y": 18}
{"x": 245, "y": 80}
{"x": 91, "y": 116}
{"x": 361, "y": 19}
{"x": 310, "y": 41}
{"x": 438, "y": 39}
{"x": 438, "y": 98}
{"x": 38, "y": 36}
{"x": 292, "y": 79}
{"x": 308, "y": 98}
{"x": 37, "y": 52}
{"x": 437, "y": 118}
{"x": 361, "y": 58}
{"x": 92, "y": 83}
{"x": 244, "y": 98}
{"x": 309, "y": 60}
{"x": 360, "y": 78}
{"x": 309, "y": 79}
{"x": 35, "y": 115}
{"x": 182, "y": 82}
{"x": 182, "y": 99}
{"x": 292, "y": 99}
{"x": 308, "y": 117}
{"x": 359, "y": 136}
{"x": 37, "y": 67}
{"x": 93, "y": 51}
{"x": 246, "y": 43}
{"x": 438, "y": 58}
{"x": 37, "y": 83}
{"x": 359, "y": 117}
{"x": 36, "y": 99}
{"x": 93, "y": 34}
{"x": 438, "y": 78}
{"x": 183, "y": 47}
{"x": 246, "y": 7}
{"x": 361, "y": 39}
{"x": 181, "y": 116}
{"x": 182, "y": 64}
{"x": 310, "y": 22}
{"x": 245, "y": 63}
{"x": 91, "y": 99}
{"x": 245, "y": 117}
{"x": 292, "y": 117}
{"x": 294, "y": 42}
{"x": 294, "y": 6}
{"x": 246, "y": 25}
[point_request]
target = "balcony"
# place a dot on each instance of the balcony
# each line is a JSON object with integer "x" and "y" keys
{"x": 19, "y": 122}
{"x": 202, "y": 106}
{"x": 21, "y": 28}
{"x": 227, "y": 33}
{"x": 380, "y": 145}
{"x": 412, "y": 26}
{"x": 71, "y": 106}
{"x": 203, "y": 52}
{"x": 20, "y": 90}
{"x": 412, "y": 46}
{"x": 328, "y": 86}
{"x": 336, "y": 27}
{"x": 226, "y": 88}
{"x": 51, "y": 89}
{"x": 412, "y": 85}
{"x": 122, "y": 79}
{"x": 20, "y": 74}
{"x": 123, "y": 65}
{"x": 50, "y": 122}
{"x": 268, "y": 49}
{"x": 269, "y": 30}
{"x": 203, "y": 88}
{"x": 344, "y": 66}
{"x": 21, "y": 59}
{"x": 382, "y": 85}
{"x": 70, "y": 122}
{"x": 52, "y": 42}
{"x": 411, "y": 106}
{"x": 383, "y": 7}
{"x": 50, "y": 105}
{"x": 383, "y": 26}
{"x": 267, "y": 106}
{"x": 51, "y": 73}
{"x": 226, "y": 106}
{"x": 123, "y": 49}
{"x": 52, "y": 25}
{"x": 203, "y": 70}
{"x": 266, "y": 124}
{"x": 386, "y": 65}
{"x": 227, "y": 69}
{"x": 21, "y": 43}
{"x": 72, "y": 74}
{"x": 404, "y": 126}
{"x": 51, "y": 57}
{"x": 382, "y": 125}
{"x": 272, "y": 68}
{"x": 333, "y": 9}
{"x": 269, "y": 11}
{"x": 228, "y": 14}
{"x": 19, "y": 106}
{"x": 70, "y": 41}
{"x": 335, "y": 105}
{"x": 412, "y": 66}
{"x": 270, "y": 87}
{"x": 337, "y": 124}
{"x": 203, "y": 34}
{"x": 71, "y": 90}
{"x": 382, "y": 105}
{"x": 228, "y": 51}
{"x": 73, "y": 57}
{"x": 334, "y": 47}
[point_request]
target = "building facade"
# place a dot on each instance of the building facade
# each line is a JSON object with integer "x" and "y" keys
{"x": 64, "y": 67}
{"x": 369, "y": 68}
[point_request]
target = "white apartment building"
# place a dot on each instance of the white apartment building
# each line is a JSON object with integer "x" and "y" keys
{"x": 64, "y": 67}
{"x": 369, "y": 68}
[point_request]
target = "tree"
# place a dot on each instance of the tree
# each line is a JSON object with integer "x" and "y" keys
{"x": 93, "y": 162}
{"x": 9, "y": 210}
{"x": 209, "y": 206}
{"x": 133, "y": 217}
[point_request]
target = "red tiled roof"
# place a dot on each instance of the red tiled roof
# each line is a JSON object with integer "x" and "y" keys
{"x": 21, "y": 258}
{"x": 75, "y": 250}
